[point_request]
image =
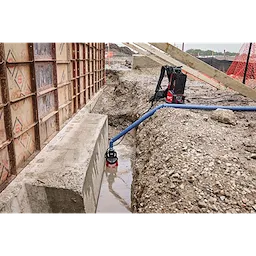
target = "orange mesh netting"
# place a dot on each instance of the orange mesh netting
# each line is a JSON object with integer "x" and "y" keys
{"x": 237, "y": 68}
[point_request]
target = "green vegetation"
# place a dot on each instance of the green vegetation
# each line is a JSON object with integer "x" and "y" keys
{"x": 196, "y": 52}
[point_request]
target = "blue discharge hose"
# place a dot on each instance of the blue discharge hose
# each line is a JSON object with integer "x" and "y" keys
{"x": 182, "y": 106}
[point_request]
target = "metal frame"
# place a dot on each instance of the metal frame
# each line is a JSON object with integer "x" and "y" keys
{"x": 6, "y": 106}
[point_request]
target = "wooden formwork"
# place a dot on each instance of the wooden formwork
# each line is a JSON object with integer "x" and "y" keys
{"x": 42, "y": 86}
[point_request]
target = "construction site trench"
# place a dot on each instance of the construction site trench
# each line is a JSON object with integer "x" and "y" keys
{"x": 178, "y": 161}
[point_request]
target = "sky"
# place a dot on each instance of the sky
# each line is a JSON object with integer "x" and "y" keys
{"x": 219, "y": 47}
{"x": 214, "y": 45}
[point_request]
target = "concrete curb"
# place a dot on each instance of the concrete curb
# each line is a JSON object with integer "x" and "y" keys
{"x": 66, "y": 175}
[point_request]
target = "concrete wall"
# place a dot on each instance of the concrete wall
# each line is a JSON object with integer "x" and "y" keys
{"x": 66, "y": 175}
{"x": 142, "y": 61}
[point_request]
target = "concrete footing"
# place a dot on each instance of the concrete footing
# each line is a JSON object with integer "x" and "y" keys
{"x": 66, "y": 175}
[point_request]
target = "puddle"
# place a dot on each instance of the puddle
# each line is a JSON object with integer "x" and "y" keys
{"x": 115, "y": 194}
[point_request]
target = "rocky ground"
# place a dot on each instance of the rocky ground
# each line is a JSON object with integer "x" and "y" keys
{"x": 195, "y": 162}
{"x": 186, "y": 161}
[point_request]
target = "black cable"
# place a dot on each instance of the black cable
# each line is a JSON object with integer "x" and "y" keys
{"x": 148, "y": 109}
{"x": 119, "y": 141}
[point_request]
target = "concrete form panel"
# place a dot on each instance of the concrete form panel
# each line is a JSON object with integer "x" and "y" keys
{"x": 64, "y": 100}
{"x": 47, "y": 129}
{"x": 1, "y": 99}
{"x": 4, "y": 165}
{"x": 87, "y": 77}
{"x": 24, "y": 146}
{"x": 64, "y": 115}
{"x": 2, "y": 127}
{"x": 73, "y": 76}
{"x": 82, "y": 91}
{"x": 16, "y": 52}
{"x": 63, "y": 82}
{"x": 19, "y": 82}
{"x": 62, "y": 74}
{"x": 64, "y": 103}
{"x": 61, "y": 51}
{"x": 43, "y": 51}
{"x": 82, "y": 74}
{"x": 46, "y": 104}
{"x": 44, "y": 76}
{"x": 63, "y": 93}
{"x": 22, "y": 115}
{"x": 90, "y": 71}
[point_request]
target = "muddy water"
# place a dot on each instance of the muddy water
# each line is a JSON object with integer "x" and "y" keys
{"x": 115, "y": 194}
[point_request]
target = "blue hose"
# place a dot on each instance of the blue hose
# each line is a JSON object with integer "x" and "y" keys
{"x": 182, "y": 106}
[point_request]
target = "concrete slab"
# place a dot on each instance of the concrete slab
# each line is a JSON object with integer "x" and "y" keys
{"x": 66, "y": 175}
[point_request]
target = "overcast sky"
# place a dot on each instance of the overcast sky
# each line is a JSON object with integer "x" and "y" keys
{"x": 215, "y": 45}
{"x": 220, "y": 47}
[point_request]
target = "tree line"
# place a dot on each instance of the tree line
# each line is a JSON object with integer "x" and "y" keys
{"x": 196, "y": 52}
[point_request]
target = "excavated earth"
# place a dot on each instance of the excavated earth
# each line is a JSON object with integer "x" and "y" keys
{"x": 186, "y": 161}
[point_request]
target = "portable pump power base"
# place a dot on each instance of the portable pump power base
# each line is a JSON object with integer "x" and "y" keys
{"x": 174, "y": 93}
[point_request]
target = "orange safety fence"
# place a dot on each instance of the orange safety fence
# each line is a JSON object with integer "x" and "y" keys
{"x": 109, "y": 54}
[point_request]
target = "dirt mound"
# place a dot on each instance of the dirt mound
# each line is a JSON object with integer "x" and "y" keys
{"x": 124, "y": 100}
{"x": 187, "y": 162}
{"x": 123, "y": 50}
